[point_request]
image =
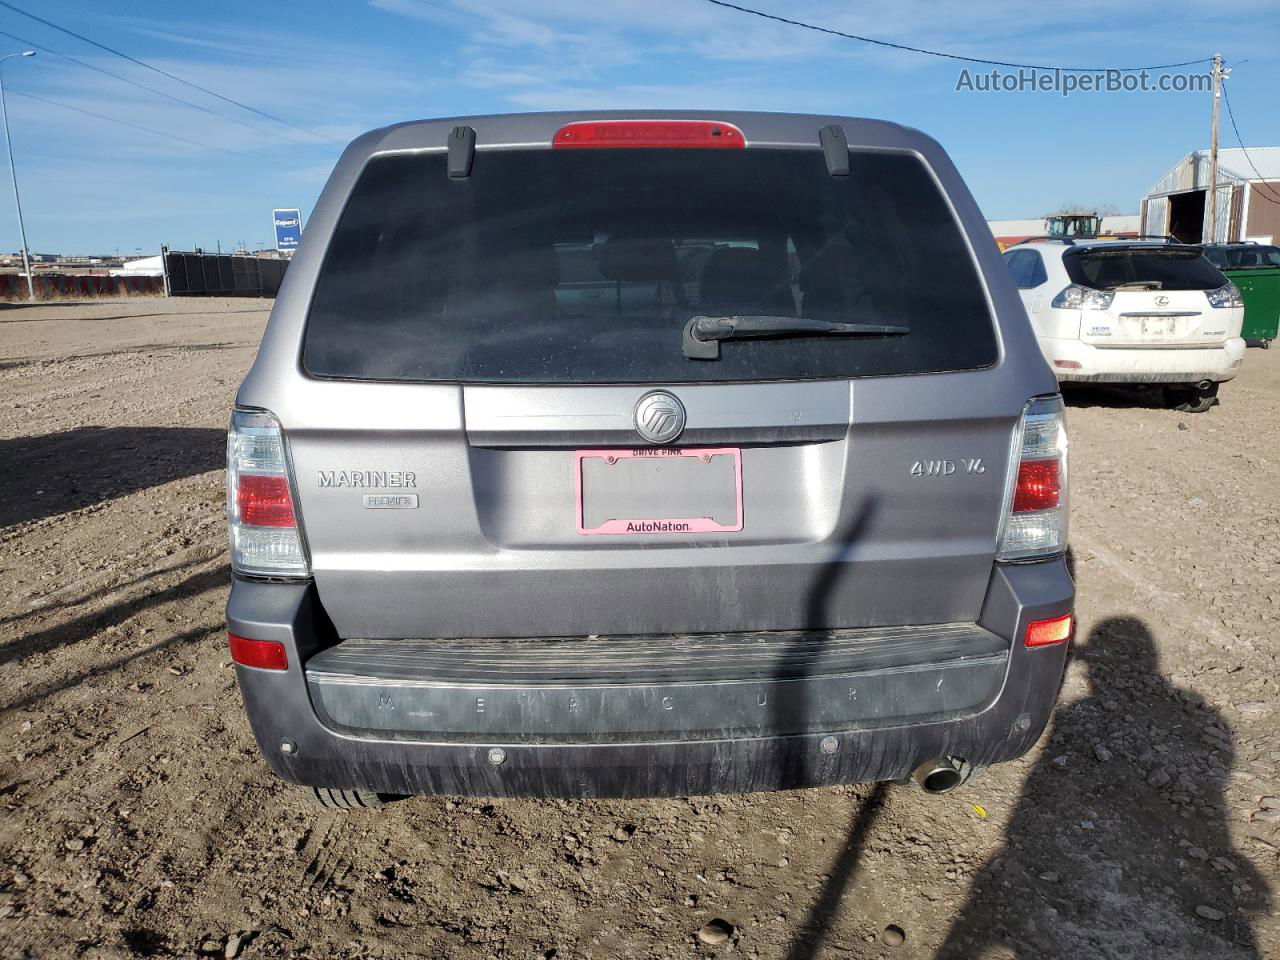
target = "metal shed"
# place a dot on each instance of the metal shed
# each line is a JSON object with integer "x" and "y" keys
{"x": 1247, "y": 199}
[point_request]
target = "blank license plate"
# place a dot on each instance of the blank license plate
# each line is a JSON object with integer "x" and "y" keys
{"x": 659, "y": 490}
{"x": 1158, "y": 326}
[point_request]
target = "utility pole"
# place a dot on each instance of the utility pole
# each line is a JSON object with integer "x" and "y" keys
{"x": 1213, "y": 151}
{"x": 13, "y": 174}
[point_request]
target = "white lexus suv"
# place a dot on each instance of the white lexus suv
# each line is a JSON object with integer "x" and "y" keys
{"x": 1132, "y": 312}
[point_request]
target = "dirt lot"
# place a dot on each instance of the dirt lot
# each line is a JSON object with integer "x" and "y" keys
{"x": 138, "y": 818}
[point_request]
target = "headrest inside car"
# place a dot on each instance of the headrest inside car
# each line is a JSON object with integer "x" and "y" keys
{"x": 623, "y": 257}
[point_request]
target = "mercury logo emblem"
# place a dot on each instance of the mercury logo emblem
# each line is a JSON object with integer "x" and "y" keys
{"x": 659, "y": 417}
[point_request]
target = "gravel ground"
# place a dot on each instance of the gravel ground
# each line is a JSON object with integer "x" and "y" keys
{"x": 138, "y": 818}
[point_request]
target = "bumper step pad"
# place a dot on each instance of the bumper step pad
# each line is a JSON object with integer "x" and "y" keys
{"x": 565, "y": 690}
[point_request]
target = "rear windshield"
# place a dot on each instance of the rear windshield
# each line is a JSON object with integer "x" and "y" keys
{"x": 1156, "y": 268}
{"x": 1254, "y": 255}
{"x": 584, "y": 266}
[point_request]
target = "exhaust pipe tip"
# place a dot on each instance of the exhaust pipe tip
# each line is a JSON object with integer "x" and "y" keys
{"x": 939, "y": 775}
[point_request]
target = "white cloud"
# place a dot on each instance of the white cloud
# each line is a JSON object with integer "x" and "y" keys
{"x": 86, "y": 177}
{"x": 730, "y": 93}
{"x": 486, "y": 55}
{"x": 537, "y": 49}
{"x": 325, "y": 88}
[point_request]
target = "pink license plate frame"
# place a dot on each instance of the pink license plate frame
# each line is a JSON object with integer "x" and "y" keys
{"x": 642, "y": 526}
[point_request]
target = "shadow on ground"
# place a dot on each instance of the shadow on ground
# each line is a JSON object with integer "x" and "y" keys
{"x": 265, "y": 308}
{"x": 1120, "y": 849}
{"x": 28, "y": 304}
{"x": 64, "y": 633}
{"x": 1120, "y": 844}
{"x": 1118, "y": 396}
{"x": 56, "y": 473}
{"x": 820, "y": 616}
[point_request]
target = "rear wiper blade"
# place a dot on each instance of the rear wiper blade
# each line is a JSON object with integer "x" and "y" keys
{"x": 702, "y": 335}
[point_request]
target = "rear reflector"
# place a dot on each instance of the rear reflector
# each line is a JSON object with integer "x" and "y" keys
{"x": 264, "y": 501}
{"x": 648, "y": 134}
{"x": 1067, "y": 364}
{"x": 1045, "y": 633}
{"x": 1038, "y": 487}
{"x": 263, "y": 654}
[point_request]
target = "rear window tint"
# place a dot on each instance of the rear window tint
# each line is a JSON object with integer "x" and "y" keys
{"x": 1027, "y": 268}
{"x": 584, "y": 266}
{"x": 1163, "y": 268}
{"x": 1217, "y": 257}
{"x": 1253, "y": 255}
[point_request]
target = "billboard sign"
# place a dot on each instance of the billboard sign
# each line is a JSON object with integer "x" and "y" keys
{"x": 288, "y": 229}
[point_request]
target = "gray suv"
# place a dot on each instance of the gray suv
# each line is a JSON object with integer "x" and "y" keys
{"x": 642, "y": 454}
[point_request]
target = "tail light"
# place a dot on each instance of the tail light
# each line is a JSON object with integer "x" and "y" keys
{"x": 1035, "y": 514}
{"x": 1228, "y": 296}
{"x": 1076, "y": 297}
{"x": 265, "y": 537}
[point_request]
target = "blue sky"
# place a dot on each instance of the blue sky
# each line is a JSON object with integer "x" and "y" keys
{"x": 335, "y": 69}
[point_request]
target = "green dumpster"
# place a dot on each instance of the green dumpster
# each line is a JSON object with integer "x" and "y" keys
{"x": 1260, "y": 287}
{"x": 1255, "y": 269}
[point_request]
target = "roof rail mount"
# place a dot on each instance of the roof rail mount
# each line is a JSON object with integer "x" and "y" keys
{"x": 835, "y": 149}
{"x": 462, "y": 152}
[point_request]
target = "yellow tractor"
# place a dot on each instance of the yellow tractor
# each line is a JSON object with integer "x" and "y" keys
{"x": 1076, "y": 226}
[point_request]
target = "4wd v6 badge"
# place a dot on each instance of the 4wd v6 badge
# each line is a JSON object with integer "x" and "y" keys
{"x": 945, "y": 468}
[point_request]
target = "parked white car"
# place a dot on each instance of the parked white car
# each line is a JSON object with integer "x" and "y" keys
{"x": 1132, "y": 312}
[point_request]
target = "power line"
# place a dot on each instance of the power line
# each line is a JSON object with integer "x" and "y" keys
{"x": 938, "y": 53}
{"x": 159, "y": 92}
{"x": 1260, "y": 186}
{"x": 163, "y": 73}
{"x": 126, "y": 123}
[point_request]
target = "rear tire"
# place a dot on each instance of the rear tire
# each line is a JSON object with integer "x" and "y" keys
{"x": 1192, "y": 399}
{"x": 328, "y": 798}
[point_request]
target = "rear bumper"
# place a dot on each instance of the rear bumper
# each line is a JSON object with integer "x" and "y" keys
{"x": 1143, "y": 364}
{"x": 646, "y": 689}
{"x": 343, "y": 741}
